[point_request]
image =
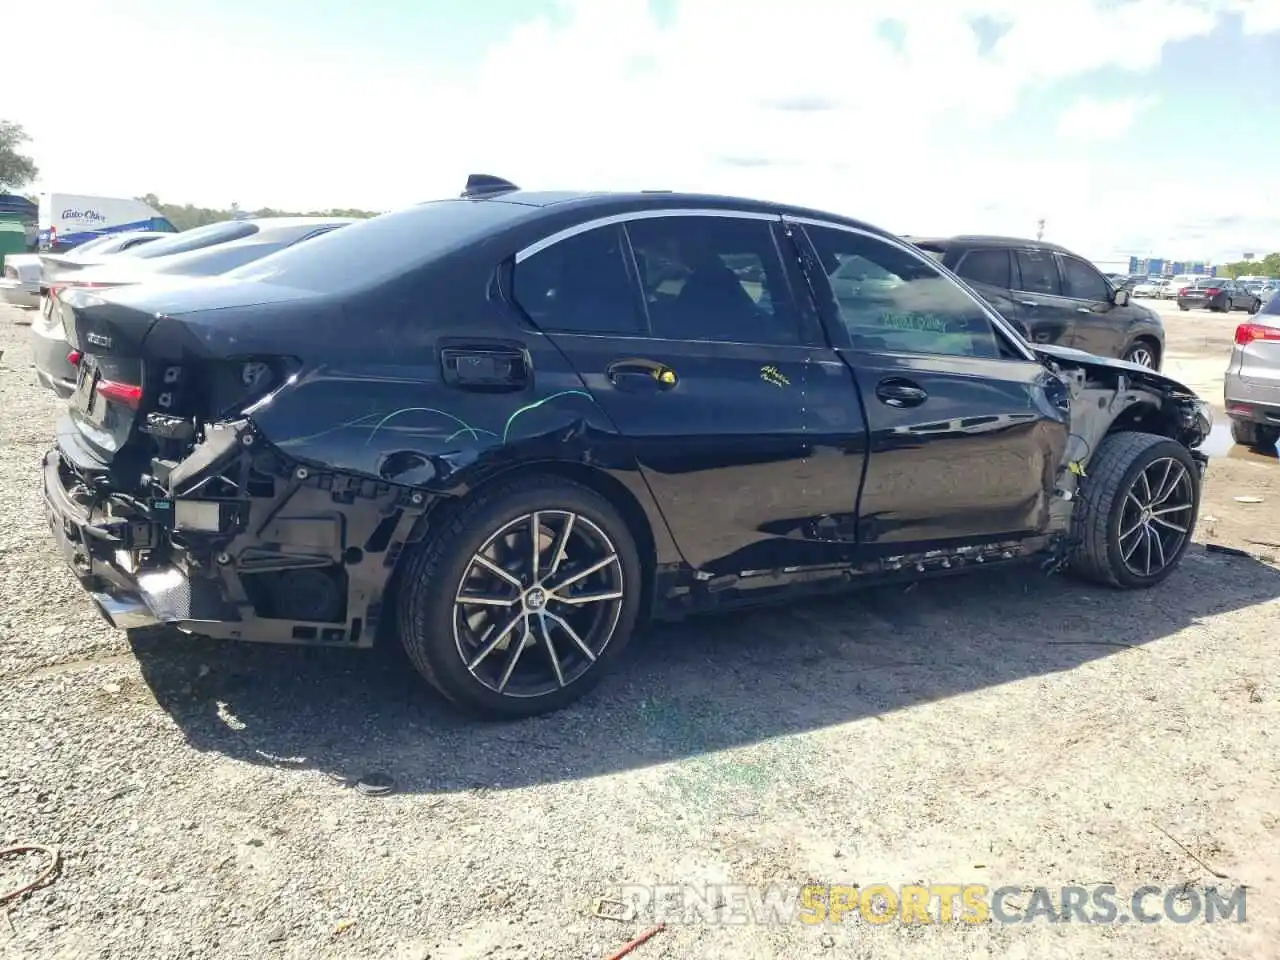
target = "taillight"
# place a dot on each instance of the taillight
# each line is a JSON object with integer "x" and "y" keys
{"x": 74, "y": 358}
{"x": 117, "y": 392}
{"x": 80, "y": 285}
{"x": 1246, "y": 333}
{"x": 1212, "y": 292}
{"x": 1183, "y": 291}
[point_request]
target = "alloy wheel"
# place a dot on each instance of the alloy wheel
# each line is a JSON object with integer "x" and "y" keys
{"x": 1156, "y": 519}
{"x": 538, "y": 603}
{"x": 1142, "y": 356}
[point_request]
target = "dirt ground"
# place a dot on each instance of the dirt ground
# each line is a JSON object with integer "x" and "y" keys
{"x": 1009, "y": 731}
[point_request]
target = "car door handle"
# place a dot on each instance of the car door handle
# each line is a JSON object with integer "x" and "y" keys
{"x": 1083, "y": 310}
{"x": 639, "y": 374}
{"x": 897, "y": 392}
{"x": 1029, "y": 303}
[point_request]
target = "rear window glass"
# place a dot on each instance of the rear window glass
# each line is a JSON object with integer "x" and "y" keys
{"x": 1272, "y": 307}
{"x": 198, "y": 237}
{"x": 384, "y": 247}
{"x": 217, "y": 259}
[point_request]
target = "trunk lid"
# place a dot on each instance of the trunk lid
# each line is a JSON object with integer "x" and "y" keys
{"x": 158, "y": 350}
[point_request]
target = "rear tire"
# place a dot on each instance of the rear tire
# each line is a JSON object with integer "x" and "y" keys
{"x": 1181, "y": 307}
{"x": 1244, "y": 433}
{"x": 1255, "y": 306}
{"x": 1137, "y": 511}
{"x": 523, "y": 651}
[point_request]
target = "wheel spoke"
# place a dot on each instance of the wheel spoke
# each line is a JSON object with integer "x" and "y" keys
{"x": 1171, "y": 526}
{"x": 497, "y": 571}
{"x": 1146, "y": 483}
{"x": 582, "y": 598}
{"x": 1146, "y": 538}
{"x": 550, "y": 646}
{"x": 513, "y": 657}
{"x": 562, "y": 543}
{"x": 1174, "y": 484}
{"x": 1158, "y": 543}
{"x": 1181, "y": 508}
{"x": 1132, "y": 498}
{"x": 582, "y": 574}
{"x": 1137, "y": 541}
{"x": 1125, "y": 534}
{"x": 493, "y": 644}
{"x": 563, "y": 624}
{"x": 1160, "y": 488}
{"x": 535, "y": 537}
{"x": 482, "y": 600}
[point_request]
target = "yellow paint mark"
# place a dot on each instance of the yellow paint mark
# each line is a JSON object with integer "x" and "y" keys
{"x": 771, "y": 374}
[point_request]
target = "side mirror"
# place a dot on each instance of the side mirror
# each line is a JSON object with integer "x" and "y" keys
{"x": 1121, "y": 298}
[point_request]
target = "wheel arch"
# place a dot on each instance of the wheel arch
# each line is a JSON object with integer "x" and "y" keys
{"x": 1147, "y": 416}
{"x": 653, "y": 546}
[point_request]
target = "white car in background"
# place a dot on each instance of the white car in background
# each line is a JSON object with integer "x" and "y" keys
{"x": 1181, "y": 280}
{"x": 1150, "y": 287}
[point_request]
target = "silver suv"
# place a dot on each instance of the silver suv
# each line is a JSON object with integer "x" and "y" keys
{"x": 1252, "y": 383}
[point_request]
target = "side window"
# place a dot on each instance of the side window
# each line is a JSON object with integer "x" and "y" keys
{"x": 986, "y": 266}
{"x": 580, "y": 285}
{"x": 1039, "y": 272}
{"x": 1081, "y": 281}
{"x": 893, "y": 301}
{"x": 713, "y": 278}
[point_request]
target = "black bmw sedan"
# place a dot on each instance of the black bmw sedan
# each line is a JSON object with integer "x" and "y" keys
{"x": 508, "y": 427}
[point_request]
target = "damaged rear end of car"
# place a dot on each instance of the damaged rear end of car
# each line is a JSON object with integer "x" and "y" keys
{"x": 170, "y": 504}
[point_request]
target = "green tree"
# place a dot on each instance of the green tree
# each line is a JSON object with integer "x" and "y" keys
{"x": 16, "y": 168}
{"x": 185, "y": 216}
{"x": 1268, "y": 266}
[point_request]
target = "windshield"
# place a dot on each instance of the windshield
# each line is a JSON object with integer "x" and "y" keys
{"x": 384, "y": 247}
{"x": 97, "y": 243}
{"x": 196, "y": 238}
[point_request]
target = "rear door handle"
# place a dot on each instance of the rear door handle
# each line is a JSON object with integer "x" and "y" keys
{"x": 1029, "y": 303}
{"x": 898, "y": 392}
{"x": 1083, "y": 310}
{"x": 641, "y": 375}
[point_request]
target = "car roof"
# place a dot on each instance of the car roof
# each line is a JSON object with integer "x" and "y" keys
{"x": 978, "y": 240}
{"x": 585, "y": 201}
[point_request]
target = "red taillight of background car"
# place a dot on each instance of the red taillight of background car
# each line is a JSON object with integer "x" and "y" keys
{"x": 1212, "y": 291}
{"x": 117, "y": 392}
{"x": 1247, "y": 333}
{"x": 1183, "y": 291}
{"x": 82, "y": 285}
{"x": 74, "y": 358}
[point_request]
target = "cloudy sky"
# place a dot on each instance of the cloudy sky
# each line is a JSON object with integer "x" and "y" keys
{"x": 1131, "y": 126}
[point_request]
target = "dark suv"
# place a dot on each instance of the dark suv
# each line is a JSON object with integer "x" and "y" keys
{"x": 1054, "y": 296}
{"x": 508, "y": 426}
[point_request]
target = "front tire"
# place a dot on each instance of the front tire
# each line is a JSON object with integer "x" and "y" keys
{"x": 1137, "y": 510}
{"x": 1143, "y": 353}
{"x": 523, "y": 600}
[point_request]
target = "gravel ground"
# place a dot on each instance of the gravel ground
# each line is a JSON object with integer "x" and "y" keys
{"x": 1003, "y": 731}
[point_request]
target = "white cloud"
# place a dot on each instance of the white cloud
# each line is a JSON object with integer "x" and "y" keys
{"x": 1095, "y": 120}
{"x": 805, "y": 102}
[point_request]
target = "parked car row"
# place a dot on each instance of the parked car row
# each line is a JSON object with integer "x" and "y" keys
{"x": 508, "y": 427}
{"x": 131, "y": 258}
